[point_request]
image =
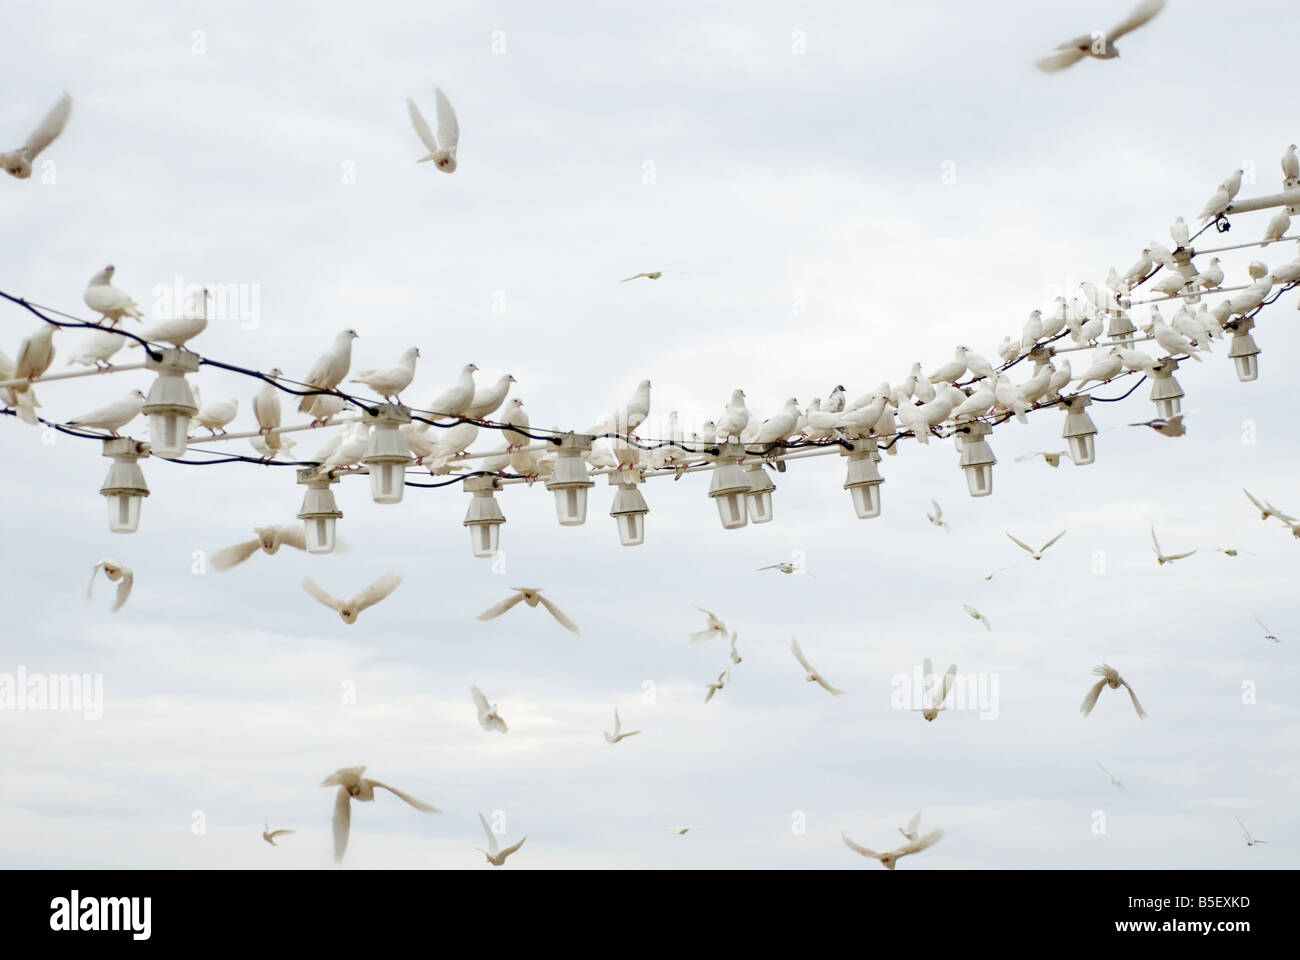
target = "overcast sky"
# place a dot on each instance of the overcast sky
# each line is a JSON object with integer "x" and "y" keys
{"x": 236, "y": 143}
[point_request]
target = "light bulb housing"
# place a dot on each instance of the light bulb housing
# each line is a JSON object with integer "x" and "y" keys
{"x": 319, "y": 513}
{"x": 1243, "y": 351}
{"x": 387, "y": 453}
{"x": 484, "y": 517}
{"x": 729, "y": 486}
{"x": 758, "y": 501}
{"x": 629, "y": 508}
{"x": 570, "y": 480}
{"x": 863, "y": 479}
{"x": 1121, "y": 330}
{"x": 1166, "y": 392}
{"x": 124, "y": 487}
{"x": 977, "y": 459}
{"x": 1079, "y": 431}
{"x": 170, "y": 403}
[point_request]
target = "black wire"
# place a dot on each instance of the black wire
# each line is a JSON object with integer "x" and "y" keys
{"x": 1125, "y": 394}
{"x": 79, "y": 323}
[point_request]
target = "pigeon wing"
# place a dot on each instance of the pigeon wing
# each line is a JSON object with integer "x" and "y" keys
{"x": 312, "y": 588}
{"x": 49, "y": 128}
{"x": 857, "y": 848}
{"x": 448, "y": 126}
{"x": 236, "y": 554}
{"x": 1018, "y": 543}
{"x": 1090, "y": 700}
{"x": 418, "y": 804}
{"x": 292, "y": 537}
{"x": 1142, "y": 13}
{"x": 377, "y": 591}
{"x": 492, "y": 837}
{"x": 124, "y": 588}
{"x": 559, "y": 615}
{"x": 421, "y": 127}
{"x": 494, "y": 611}
{"x": 342, "y": 823}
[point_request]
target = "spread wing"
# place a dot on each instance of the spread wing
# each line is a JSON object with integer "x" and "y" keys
{"x": 292, "y": 537}
{"x": 1142, "y": 13}
{"x": 497, "y": 609}
{"x": 312, "y": 588}
{"x": 1018, "y": 543}
{"x": 448, "y": 126}
{"x": 914, "y": 822}
{"x": 1044, "y": 547}
{"x": 377, "y": 591}
{"x": 480, "y": 701}
{"x": 492, "y": 837}
{"x": 916, "y": 846}
{"x": 1156, "y": 542}
{"x": 1090, "y": 700}
{"x": 948, "y": 678}
{"x": 938, "y": 510}
{"x": 511, "y": 849}
{"x": 1026, "y": 456}
{"x": 236, "y": 554}
{"x": 856, "y": 848}
{"x": 50, "y": 127}
{"x": 421, "y": 127}
{"x": 827, "y": 687}
{"x": 418, "y": 804}
{"x": 798, "y": 655}
{"x": 559, "y": 615}
{"x": 1061, "y": 60}
{"x": 94, "y": 572}
{"x": 124, "y": 588}
{"x": 278, "y": 833}
{"x": 342, "y": 823}
{"x": 1180, "y": 556}
{"x": 1133, "y": 696}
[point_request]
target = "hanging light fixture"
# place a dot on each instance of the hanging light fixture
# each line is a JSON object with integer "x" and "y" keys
{"x": 1121, "y": 329}
{"x": 863, "y": 478}
{"x": 758, "y": 500}
{"x": 319, "y": 512}
{"x": 1243, "y": 350}
{"x": 629, "y": 507}
{"x": 124, "y": 486}
{"x": 977, "y": 459}
{"x": 1165, "y": 390}
{"x": 570, "y": 480}
{"x": 1079, "y": 431}
{"x": 729, "y": 486}
{"x": 484, "y": 517}
{"x": 387, "y": 453}
{"x": 170, "y": 403}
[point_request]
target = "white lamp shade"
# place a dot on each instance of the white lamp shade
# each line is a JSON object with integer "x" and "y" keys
{"x": 759, "y": 499}
{"x": 1083, "y": 449}
{"x": 729, "y": 488}
{"x": 320, "y": 534}
{"x": 168, "y": 433}
{"x": 484, "y": 539}
{"x": 731, "y": 510}
{"x": 629, "y": 510}
{"x": 124, "y": 512}
{"x": 571, "y": 506}
{"x": 484, "y": 518}
{"x": 866, "y": 500}
{"x": 1169, "y": 406}
{"x": 569, "y": 481}
{"x": 387, "y": 481}
{"x": 979, "y": 479}
{"x": 977, "y": 461}
{"x": 631, "y": 529}
{"x": 1247, "y": 367}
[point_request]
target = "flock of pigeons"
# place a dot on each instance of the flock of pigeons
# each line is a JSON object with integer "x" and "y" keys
{"x": 922, "y": 405}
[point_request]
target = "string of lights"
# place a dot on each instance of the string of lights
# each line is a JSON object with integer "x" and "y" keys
{"x": 739, "y": 482}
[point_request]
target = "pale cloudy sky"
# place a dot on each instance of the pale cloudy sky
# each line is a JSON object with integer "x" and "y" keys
{"x": 235, "y": 143}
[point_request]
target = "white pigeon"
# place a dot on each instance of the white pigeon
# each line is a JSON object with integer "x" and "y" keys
{"x": 714, "y": 627}
{"x": 1233, "y": 183}
{"x": 1036, "y": 554}
{"x": 921, "y": 420}
{"x": 1212, "y": 275}
{"x": 785, "y": 566}
{"x": 495, "y": 856}
{"x": 269, "y": 540}
{"x": 96, "y": 348}
{"x": 952, "y": 370}
{"x": 1136, "y": 360}
{"x": 35, "y": 354}
{"x": 214, "y": 416}
{"x": 1036, "y": 386}
{"x": 618, "y": 733}
{"x": 1032, "y": 331}
{"x": 531, "y": 596}
{"x": 1222, "y": 196}
{"x": 1113, "y": 781}
{"x": 22, "y": 398}
{"x": 777, "y": 429}
{"x": 269, "y": 835}
{"x": 349, "y": 450}
{"x": 18, "y": 162}
{"x": 1163, "y": 558}
{"x": 1010, "y": 397}
{"x": 976, "y": 405}
{"x": 936, "y": 518}
{"x": 1171, "y": 427}
{"x": 1180, "y": 233}
{"x": 1103, "y": 369}
{"x": 936, "y": 694}
{"x": 1059, "y": 379}
{"x": 976, "y": 615}
{"x": 488, "y": 718}
{"x": 1267, "y": 509}
{"x": 516, "y": 416}
{"x": 1250, "y": 841}
{"x": 652, "y": 275}
{"x": 350, "y": 608}
{"x": 442, "y": 149}
{"x": 1277, "y": 227}
{"x": 977, "y": 365}
{"x": 177, "y": 331}
{"x": 812, "y": 675}
{"x": 487, "y": 400}
{"x": 456, "y": 399}
{"x": 1268, "y": 634}
{"x": 631, "y": 415}
{"x": 1161, "y": 254}
{"x": 331, "y": 369}
{"x": 1170, "y": 283}
{"x": 890, "y": 858}
{"x": 107, "y": 300}
{"x": 734, "y": 419}
{"x": 116, "y": 573}
{"x": 1055, "y": 318}
{"x": 266, "y": 403}
{"x": 389, "y": 382}
{"x": 272, "y": 445}
{"x": 1290, "y": 167}
{"x": 1051, "y": 457}
{"x": 1172, "y": 342}
{"x": 716, "y": 685}
{"x": 1117, "y": 283}
{"x": 1109, "y": 677}
{"x": 1100, "y": 44}
{"x": 353, "y": 786}
{"x": 113, "y": 416}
